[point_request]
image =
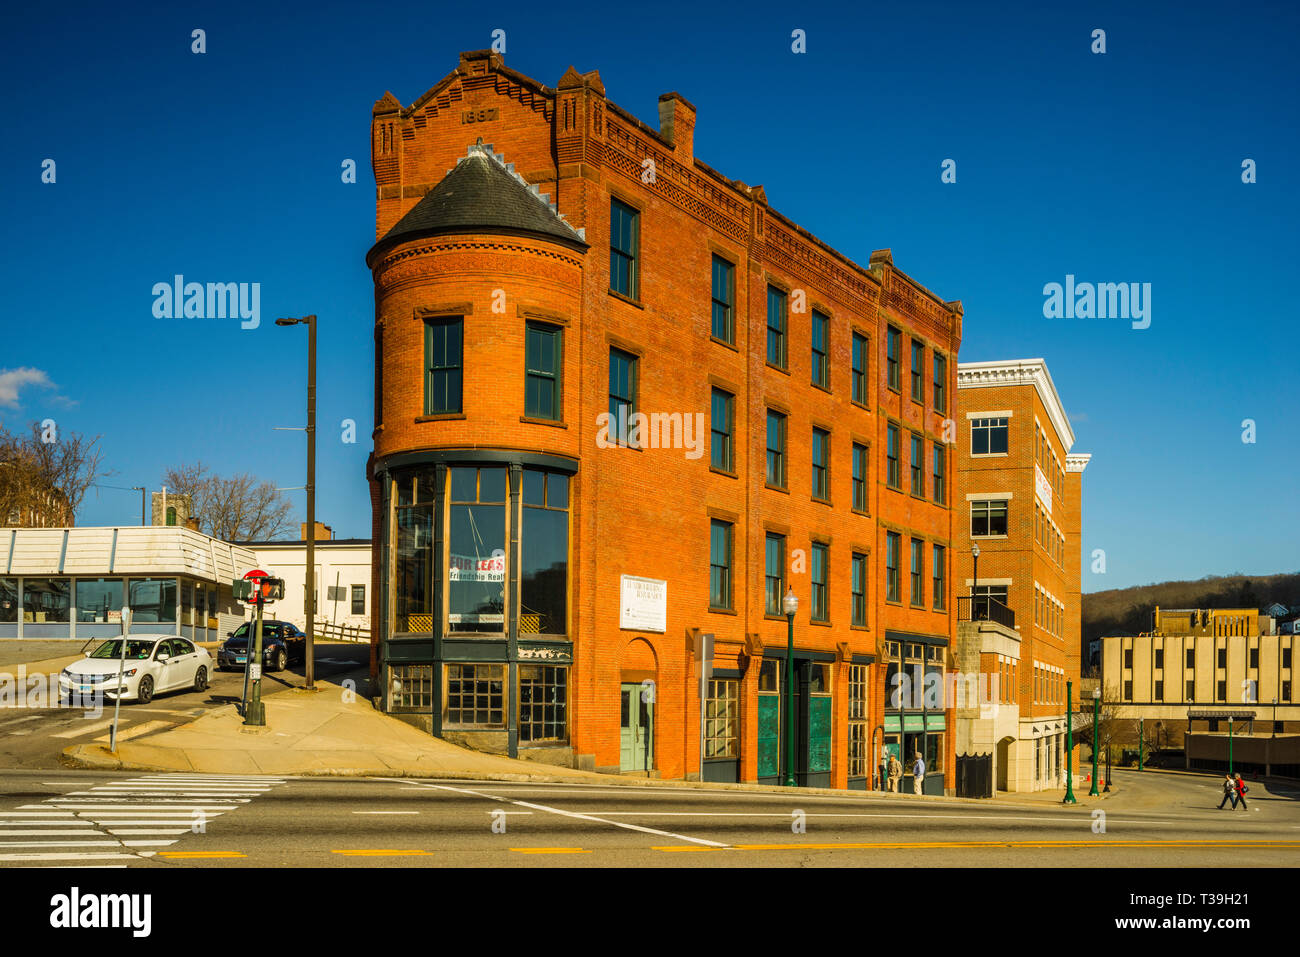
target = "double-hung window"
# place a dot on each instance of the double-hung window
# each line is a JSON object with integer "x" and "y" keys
{"x": 622, "y": 393}
{"x": 776, "y": 316}
{"x": 821, "y": 375}
{"x": 860, "y": 359}
{"x": 775, "y": 449}
{"x": 721, "y": 444}
{"x": 624, "y": 243}
{"x": 544, "y": 348}
{"x": 821, "y": 465}
{"x": 720, "y": 564}
{"x": 443, "y": 364}
{"x": 893, "y": 466}
{"x": 893, "y": 343}
{"x": 723, "y": 299}
{"x": 860, "y": 462}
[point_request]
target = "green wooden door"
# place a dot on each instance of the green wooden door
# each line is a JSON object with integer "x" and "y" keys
{"x": 636, "y": 729}
{"x": 769, "y": 736}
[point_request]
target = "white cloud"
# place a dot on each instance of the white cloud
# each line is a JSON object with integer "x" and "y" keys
{"x": 13, "y": 380}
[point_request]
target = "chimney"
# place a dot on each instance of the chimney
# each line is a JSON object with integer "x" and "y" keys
{"x": 677, "y": 126}
{"x": 323, "y": 532}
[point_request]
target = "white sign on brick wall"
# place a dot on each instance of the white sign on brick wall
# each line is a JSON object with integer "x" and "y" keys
{"x": 1043, "y": 488}
{"x": 643, "y": 604}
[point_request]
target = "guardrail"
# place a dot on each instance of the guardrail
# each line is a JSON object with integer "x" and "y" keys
{"x": 329, "y": 631}
{"x": 985, "y": 609}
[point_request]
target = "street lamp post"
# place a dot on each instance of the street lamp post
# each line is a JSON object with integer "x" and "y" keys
{"x": 1229, "y": 745}
{"x": 1069, "y": 744}
{"x": 1106, "y": 789}
{"x": 1096, "y": 722}
{"x": 789, "y": 604}
{"x": 310, "y": 599}
{"x": 975, "y": 579}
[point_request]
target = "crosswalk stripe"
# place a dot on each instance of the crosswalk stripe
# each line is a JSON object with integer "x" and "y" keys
{"x": 138, "y": 730}
{"x": 128, "y": 816}
{"x": 88, "y": 729}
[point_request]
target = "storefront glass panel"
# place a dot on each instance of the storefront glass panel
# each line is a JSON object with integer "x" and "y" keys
{"x": 47, "y": 606}
{"x": 99, "y": 607}
{"x": 152, "y": 601}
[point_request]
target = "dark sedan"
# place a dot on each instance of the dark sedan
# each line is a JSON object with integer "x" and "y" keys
{"x": 282, "y": 645}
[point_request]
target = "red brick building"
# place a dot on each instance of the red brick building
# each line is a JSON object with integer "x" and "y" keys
{"x": 1019, "y": 495}
{"x": 622, "y": 406}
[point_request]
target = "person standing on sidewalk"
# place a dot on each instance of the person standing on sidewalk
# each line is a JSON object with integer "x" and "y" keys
{"x": 1241, "y": 791}
{"x": 895, "y": 772}
{"x": 918, "y": 773}
{"x": 1229, "y": 792}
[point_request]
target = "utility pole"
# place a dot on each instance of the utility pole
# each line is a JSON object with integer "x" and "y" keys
{"x": 140, "y": 489}
{"x": 310, "y": 599}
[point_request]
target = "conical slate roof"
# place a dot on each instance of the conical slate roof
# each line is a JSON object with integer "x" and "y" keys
{"x": 482, "y": 194}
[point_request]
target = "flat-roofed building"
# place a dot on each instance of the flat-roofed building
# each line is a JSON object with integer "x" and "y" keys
{"x": 74, "y": 582}
{"x": 1018, "y": 499}
{"x": 1199, "y": 667}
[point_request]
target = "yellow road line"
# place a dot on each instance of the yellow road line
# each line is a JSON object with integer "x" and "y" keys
{"x": 194, "y": 854}
{"x": 381, "y": 852}
{"x": 549, "y": 850}
{"x": 686, "y": 848}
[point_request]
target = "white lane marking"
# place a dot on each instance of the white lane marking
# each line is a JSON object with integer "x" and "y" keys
{"x": 147, "y": 832}
{"x": 139, "y": 730}
{"x": 59, "y": 844}
{"x": 28, "y": 814}
{"x": 147, "y": 843}
{"x": 88, "y": 729}
{"x": 68, "y": 857}
{"x": 572, "y": 814}
{"x": 387, "y": 812}
{"x": 78, "y": 833}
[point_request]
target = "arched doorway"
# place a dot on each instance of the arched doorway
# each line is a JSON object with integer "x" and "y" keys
{"x": 1003, "y": 760}
{"x": 638, "y": 698}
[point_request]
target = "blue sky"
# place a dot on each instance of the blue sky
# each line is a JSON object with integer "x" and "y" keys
{"x": 1119, "y": 167}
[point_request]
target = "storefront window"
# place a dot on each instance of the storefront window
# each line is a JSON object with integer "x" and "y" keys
{"x": 475, "y": 696}
{"x": 543, "y": 703}
{"x": 46, "y": 601}
{"x": 152, "y": 601}
{"x": 544, "y": 553}
{"x": 722, "y": 719}
{"x": 476, "y": 572}
{"x": 8, "y": 608}
{"x": 99, "y": 607}
{"x": 413, "y": 574}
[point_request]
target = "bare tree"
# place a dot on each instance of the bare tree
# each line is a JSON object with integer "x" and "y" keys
{"x": 236, "y": 509}
{"x": 45, "y": 476}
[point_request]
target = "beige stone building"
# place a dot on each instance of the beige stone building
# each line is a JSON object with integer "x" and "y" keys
{"x": 1197, "y": 668}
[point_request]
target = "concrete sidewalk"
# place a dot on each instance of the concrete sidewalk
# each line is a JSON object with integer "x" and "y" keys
{"x": 325, "y": 733}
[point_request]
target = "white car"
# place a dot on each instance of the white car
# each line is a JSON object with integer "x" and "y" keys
{"x": 154, "y": 663}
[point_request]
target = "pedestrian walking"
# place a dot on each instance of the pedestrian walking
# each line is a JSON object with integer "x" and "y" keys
{"x": 1229, "y": 792}
{"x": 895, "y": 772}
{"x": 1241, "y": 791}
{"x": 918, "y": 773}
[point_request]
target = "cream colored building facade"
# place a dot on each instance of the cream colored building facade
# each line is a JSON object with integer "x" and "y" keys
{"x": 1198, "y": 667}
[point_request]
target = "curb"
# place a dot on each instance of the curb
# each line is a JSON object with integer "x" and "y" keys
{"x": 74, "y": 757}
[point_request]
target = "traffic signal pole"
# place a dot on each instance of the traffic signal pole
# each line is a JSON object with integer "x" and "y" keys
{"x": 254, "y": 713}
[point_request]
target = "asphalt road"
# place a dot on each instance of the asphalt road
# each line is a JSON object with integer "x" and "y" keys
{"x": 61, "y": 818}
{"x": 34, "y": 737}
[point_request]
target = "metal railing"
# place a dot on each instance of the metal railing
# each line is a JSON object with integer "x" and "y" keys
{"x": 985, "y": 608}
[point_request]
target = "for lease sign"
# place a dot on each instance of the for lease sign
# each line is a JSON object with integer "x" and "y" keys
{"x": 471, "y": 568}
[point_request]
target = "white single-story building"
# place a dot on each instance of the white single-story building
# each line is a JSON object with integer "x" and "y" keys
{"x": 342, "y": 582}
{"x": 73, "y": 582}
